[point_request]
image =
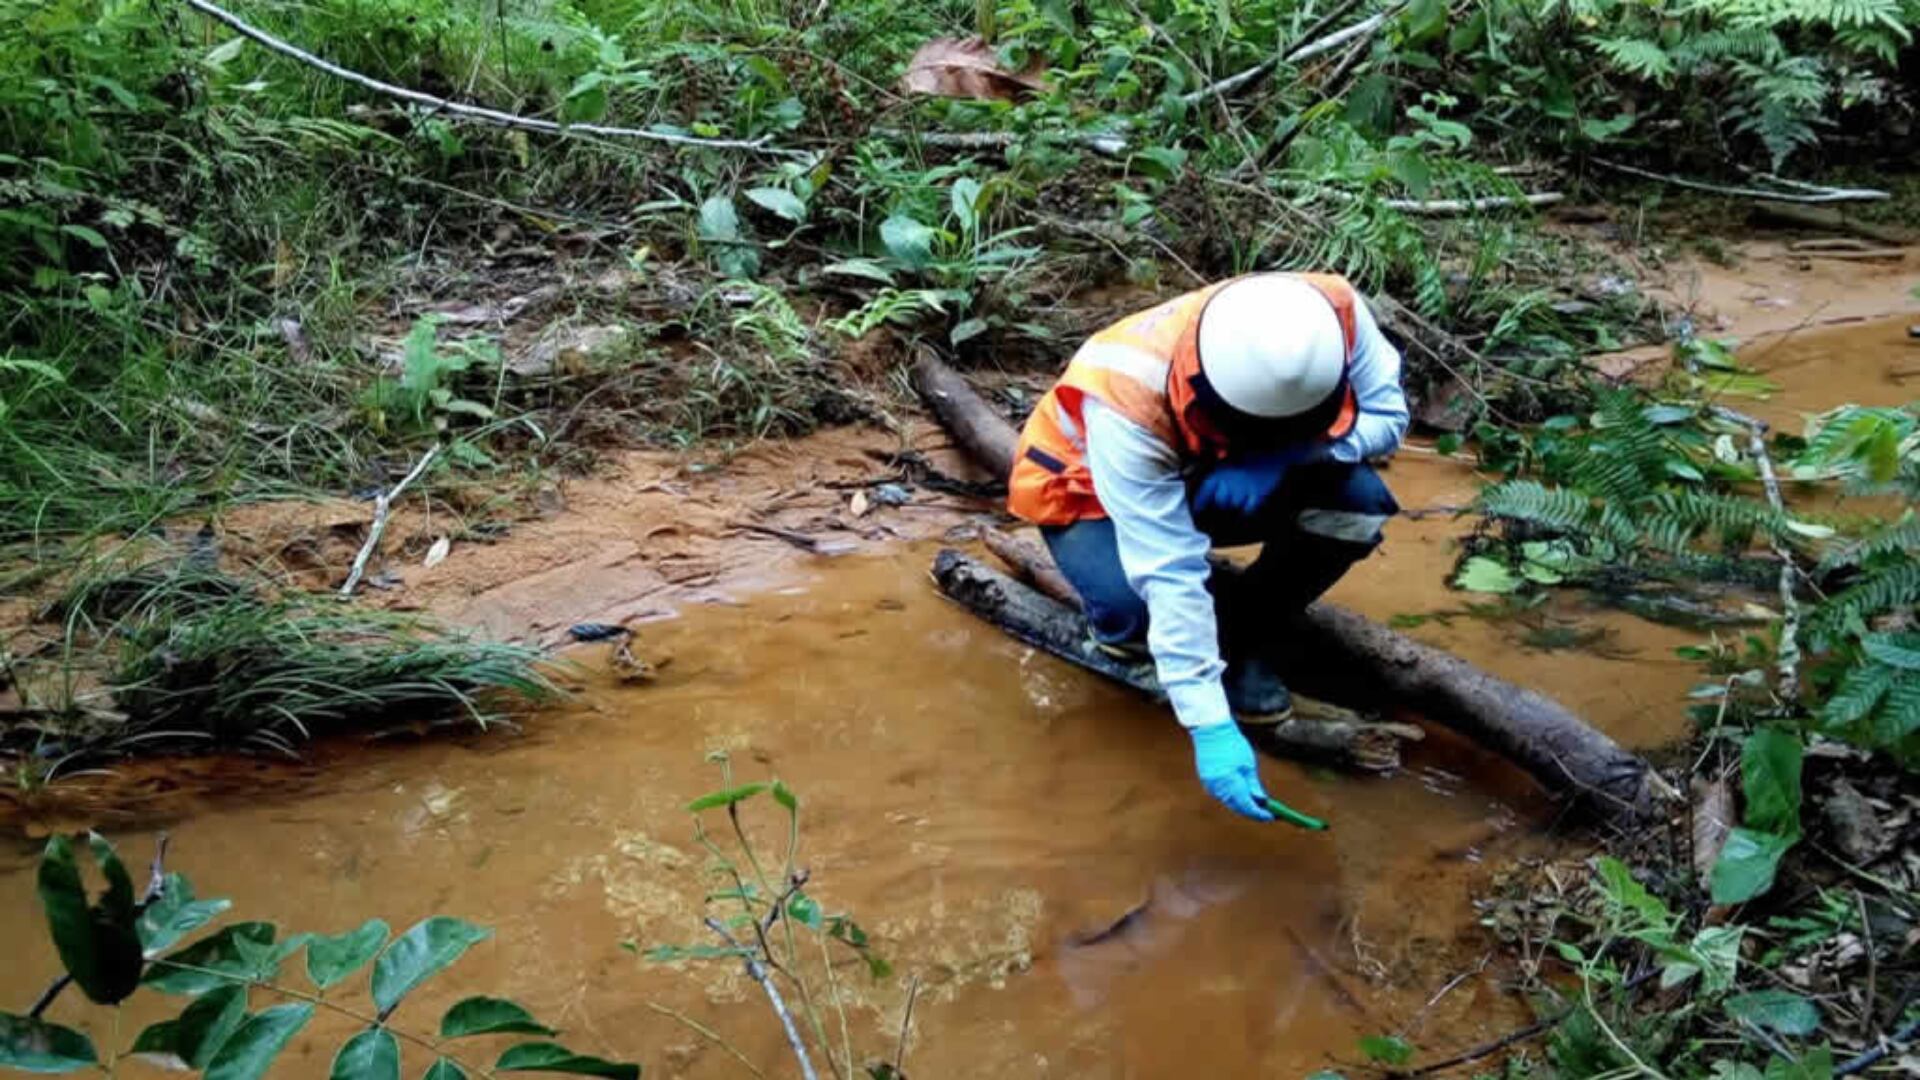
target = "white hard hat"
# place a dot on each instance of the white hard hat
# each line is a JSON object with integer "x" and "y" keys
{"x": 1271, "y": 346}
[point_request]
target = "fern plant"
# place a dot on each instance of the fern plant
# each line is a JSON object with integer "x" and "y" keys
{"x": 1775, "y": 69}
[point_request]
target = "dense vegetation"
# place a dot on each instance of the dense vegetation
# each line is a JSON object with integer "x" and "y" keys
{"x": 228, "y": 275}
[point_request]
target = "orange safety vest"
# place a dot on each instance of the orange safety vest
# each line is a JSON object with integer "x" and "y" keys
{"x": 1142, "y": 367}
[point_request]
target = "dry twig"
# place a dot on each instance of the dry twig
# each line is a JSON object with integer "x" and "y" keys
{"x": 475, "y": 112}
{"x": 382, "y": 507}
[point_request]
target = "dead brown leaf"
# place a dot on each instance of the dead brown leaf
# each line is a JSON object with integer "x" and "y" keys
{"x": 969, "y": 68}
{"x": 1712, "y": 821}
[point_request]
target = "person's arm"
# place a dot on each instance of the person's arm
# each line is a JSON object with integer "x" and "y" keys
{"x": 1374, "y": 374}
{"x": 1139, "y": 483}
{"x": 1137, "y": 478}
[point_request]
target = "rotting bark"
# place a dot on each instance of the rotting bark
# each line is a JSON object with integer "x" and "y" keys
{"x": 1053, "y": 627}
{"x": 1331, "y": 653}
{"x": 980, "y": 431}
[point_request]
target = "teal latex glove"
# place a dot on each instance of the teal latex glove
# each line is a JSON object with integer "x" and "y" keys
{"x": 1224, "y": 759}
{"x": 1241, "y": 485}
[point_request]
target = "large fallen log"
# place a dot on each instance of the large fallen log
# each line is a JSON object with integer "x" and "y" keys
{"x": 1333, "y": 653}
{"x": 1037, "y": 616}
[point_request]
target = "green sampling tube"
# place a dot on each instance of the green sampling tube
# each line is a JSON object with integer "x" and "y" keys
{"x": 1291, "y": 816}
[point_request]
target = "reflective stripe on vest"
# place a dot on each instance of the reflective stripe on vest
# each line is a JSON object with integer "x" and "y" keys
{"x": 1143, "y": 368}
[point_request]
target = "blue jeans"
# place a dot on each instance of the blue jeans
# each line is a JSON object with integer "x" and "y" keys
{"x": 1320, "y": 521}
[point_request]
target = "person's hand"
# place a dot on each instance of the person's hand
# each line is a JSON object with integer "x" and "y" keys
{"x": 1240, "y": 486}
{"x": 1224, "y": 759}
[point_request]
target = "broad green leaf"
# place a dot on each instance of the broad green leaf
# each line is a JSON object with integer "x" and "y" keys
{"x": 784, "y": 795}
{"x": 190, "y": 1040}
{"x": 36, "y": 1046}
{"x": 805, "y": 910}
{"x": 489, "y": 1016}
{"x": 158, "y": 1041}
{"x": 907, "y": 240}
{"x": 1386, "y": 1049}
{"x": 1684, "y": 470}
{"x": 91, "y": 237}
{"x": 443, "y": 1069}
{"x": 250, "y": 1050}
{"x": 779, "y": 201}
{"x": 1816, "y": 1064}
{"x": 175, "y": 914}
{"x": 1894, "y": 650}
{"x": 215, "y": 961}
{"x": 207, "y": 1023}
{"x": 552, "y": 1057}
{"x": 1625, "y": 892}
{"x": 1782, "y": 1010}
{"x": 374, "y": 1054}
{"x": 719, "y": 220}
{"x": 1770, "y": 760}
{"x": 1666, "y": 414}
{"x": 967, "y": 331}
{"x": 224, "y": 52}
{"x": 726, "y": 797}
{"x": 860, "y": 268}
{"x": 1485, "y": 575}
{"x": 331, "y": 959}
{"x": 1747, "y": 865}
{"x": 965, "y": 198}
{"x": 98, "y": 944}
{"x": 1716, "y": 952}
{"x": 418, "y": 954}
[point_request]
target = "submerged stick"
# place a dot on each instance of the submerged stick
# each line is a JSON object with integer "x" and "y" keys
{"x": 1052, "y": 627}
{"x": 495, "y": 117}
{"x": 382, "y": 507}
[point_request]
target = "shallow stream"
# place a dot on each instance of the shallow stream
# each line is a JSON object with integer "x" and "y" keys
{"x": 984, "y": 811}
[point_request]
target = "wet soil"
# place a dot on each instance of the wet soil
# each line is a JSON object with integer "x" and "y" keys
{"x": 983, "y": 810}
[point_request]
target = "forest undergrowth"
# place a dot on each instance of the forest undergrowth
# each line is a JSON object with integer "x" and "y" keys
{"x": 236, "y": 266}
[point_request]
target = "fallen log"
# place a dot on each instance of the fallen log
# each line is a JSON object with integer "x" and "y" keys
{"x": 1335, "y": 654}
{"x": 1051, "y": 626}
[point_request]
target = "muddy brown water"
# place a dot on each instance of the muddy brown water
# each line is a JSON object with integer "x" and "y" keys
{"x": 983, "y": 810}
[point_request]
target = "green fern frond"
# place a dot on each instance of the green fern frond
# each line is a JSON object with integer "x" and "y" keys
{"x": 1902, "y": 537}
{"x": 1859, "y": 694}
{"x": 1636, "y": 56}
{"x": 1676, "y": 517}
{"x": 1561, "y": 509}
{"x": 1895, "y": 726}
{"x": 1892, "y": 588}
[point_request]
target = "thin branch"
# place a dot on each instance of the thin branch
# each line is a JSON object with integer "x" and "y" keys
{"x": 1787, "y": 666}
{"x": 1103, "y": 143}
{"x": 475, "y": 112}
{"x": 906, "y": 1026}
{"x": 1488, "y": 1049}
{"x": 1810, "y": 194}
{"x": 382, "y": 507}
{"x": 1308, "y": 51}
{"x": 1861, "y": 1061}
{"x": 710, "y": 1034}
{"x": 758, "y": 972}
{"x": 48, "y": 995}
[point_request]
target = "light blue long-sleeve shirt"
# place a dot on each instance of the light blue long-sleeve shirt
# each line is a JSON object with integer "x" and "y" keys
{"x": 1141, "y": 483}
